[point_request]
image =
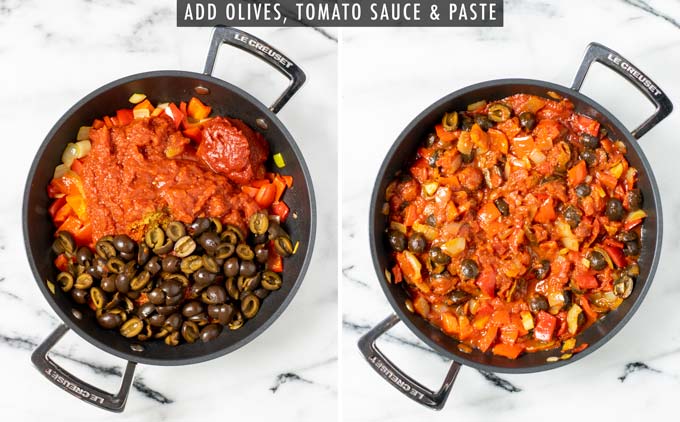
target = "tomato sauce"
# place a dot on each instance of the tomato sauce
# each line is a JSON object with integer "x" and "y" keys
{"x": 514, "y": 234}
{"x": 148, "y": 168}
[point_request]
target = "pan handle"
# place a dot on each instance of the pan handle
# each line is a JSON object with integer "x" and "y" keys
{"x": 257, "y": 47}
{"x": 613, "y": 60}
{"x": 396, "y": 377}
{"x": 74, "y": 385}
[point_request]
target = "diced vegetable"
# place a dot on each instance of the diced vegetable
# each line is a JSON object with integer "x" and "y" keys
{"x": 454, "y": 247}
{"x": 136, "y": 98}
{"x": 279, "y": 161}
{"x": 527, "y": 320}
{"x": 572, "y": 318}
{"x": 83, "y": 133}
{"x": 545, "y": 327}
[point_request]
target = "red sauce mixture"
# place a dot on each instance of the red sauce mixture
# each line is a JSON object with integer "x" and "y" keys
{"x": 515, "y": 234}
{"x": 147, "y": 166}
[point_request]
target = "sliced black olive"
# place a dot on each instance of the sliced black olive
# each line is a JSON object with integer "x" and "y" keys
{"x": 499, "y": 112}
{"x": 590, "y": 141}
{"x": 247, "y": 268}
{"x": 632, "y": 248}
{"x": 417, "y": 243}
{"x": 438, "y": 256}
{"x": 626, "y": 236}
{"x": 528, "y": 120}
{"x": 431, "y": 220}
{"x": 123, "y": 243}
{"x": 153, "y": 266}
{"x": 143, "y": 254}
{"x": 156, "y": 296}
{"x": 171, "y": 264}
{"x": 572, "y": 216}
{"x": 210, "y": 332}
{"x": 199, "y": 225}
{"x": 450, "y": 121}
{"x": 109, "y": 320}
{"x": 108, "y": 284}
{"x": 79, "y": 296}
{"x": 538, "y": 303}
{"x": 614, "y": 209}
{"x": 566, "y": 294}
{"x": 603, "y": 133}
{"x": 634, "y": 199}
{"x": 582, "y": 190}
{"x": 469, "y": 268}
{"x": 190, "y": 331}
{"x": 203, "y": 277}
{"x": 589, "y": 157}
{"x": 466, "y": 121}
{"x": 431, "y": 139}
{"x": 84, "y": 256}
{"x": 397, "y": 240}
{"x": 484, "y": 122}
{"x": 209, "y": 241}
{"x": 222, "y": 312}
{"x": 214, "y": 295}
{"x": 467, "y": 158}
{"x": 231, "y": 267}
{"x": 432, "y": 159}
{"x": 261, "y": 253}
{"x": 597, "y": 261}
{"x": 123, "y": 283}
{"x": 542, "y": 269}
{"x": 458, "y": 297}
{"x": 502, "y": 206}
{"x": 192, "y": 308}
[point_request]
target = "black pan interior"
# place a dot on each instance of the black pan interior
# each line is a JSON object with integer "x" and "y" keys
{"x": 168, "y": 86}
{"x": 404, "y": 149}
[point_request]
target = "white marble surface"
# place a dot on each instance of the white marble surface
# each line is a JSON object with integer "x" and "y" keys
{"x": 387, "y": 77}
{"x": 53, "y": 54}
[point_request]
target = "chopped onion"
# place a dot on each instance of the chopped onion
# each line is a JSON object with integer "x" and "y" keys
{"x": 60, "y": 170}
{"x": 70, "y": 153}
{"x": 635, "y": 215}
{"x": 454, "y": 246}
{"x": 572, "y": 318}
{"x": 429, "y": 232}
{"x": 430, "y": 188}
{"x": 141, "y": 113}
{"x": 527, "y": 320}
{"x": 537, "y": 156}
{"x": 83, "y": 133}
{"x": 464, "y": 144}
{"x": 414, "y": 263}
{"x": 137, "y": 98}
{"x": 83, "y": 148}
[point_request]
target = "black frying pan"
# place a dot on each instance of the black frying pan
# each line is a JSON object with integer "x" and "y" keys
{"x": 175, "y": 86}
{"x": 402, "y": 152}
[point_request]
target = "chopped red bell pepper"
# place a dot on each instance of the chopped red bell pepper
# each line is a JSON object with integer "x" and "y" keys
{"x": 197, "y": 109}
{"x": 280, "y": 185}
{"x": 288, "y": 180}
{"x": 194, "y": 133}
{"x": 265, "y": 195}
{"x": 510, "y": 351}
{"x": 281, "y": 209}
{"x": 81, "y": 232}
{"x": 546, "y": 212}
{"x": 274, "y": 262}
{"x": 616, "y": 254}
{"x": 585, "y": 280}
{"x": 545, "y": 327}
{"x": 487, "y": 281}
{"x": 577, "y": 174}
{"x": 443, "y": 135}
{"x": 144, "y": 105}
{"x": 77, "y": 167}
{"x": 250, "y": 191}
{"x": 56, "y": 206}
{"x": 124, "y": 116}
{"x": 61, "y": 262}
{"x": 175, "y": 113}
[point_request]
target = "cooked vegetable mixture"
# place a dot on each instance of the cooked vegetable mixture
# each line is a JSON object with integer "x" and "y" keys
{"x": 516, "y": 226}
{"x": 168, "y": 224}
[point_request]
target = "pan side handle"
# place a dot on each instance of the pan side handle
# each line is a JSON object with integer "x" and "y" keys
{"x": 614, "y": 61}
{"x": 74, "y": 385}
{"x": 396, "y": 377}
{"x": 258, "y": 48}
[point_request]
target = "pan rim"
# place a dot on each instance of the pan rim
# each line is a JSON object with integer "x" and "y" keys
{"x": 131, "y": 356}
{"x": 376, "y": 194}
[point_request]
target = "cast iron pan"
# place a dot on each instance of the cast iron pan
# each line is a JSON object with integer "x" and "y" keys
{"x": 404, "y": 149}
{"x": 161, "y": 86}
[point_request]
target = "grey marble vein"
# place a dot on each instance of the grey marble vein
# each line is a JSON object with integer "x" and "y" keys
{"x": 646, "y": 7}
{"x": 286, "y": 378}
{"x": 349, "y": 277}
{"x": 635, "y": 367}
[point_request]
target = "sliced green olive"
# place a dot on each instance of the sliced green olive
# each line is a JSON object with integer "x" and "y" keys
{"x": 175, "y": 230}
{"x": 271, "y": 280}
{"x": 499, "y": 112}
{"x": 623, "y": 287}
{"x": 115, "y": 265}
{"x": 191, "y": 264}
{"x": 105, "y": 249}
{"x": 64, "y": 243}
{"x": 172, "y": 339}
{"x": 84, "y": 281}
{"x": 164, "y": 248}
{"x": 283, "y": 246}
{"x": 65, "y": 280}
{"x": 184, "y": 246}
{"x": 245, "y": 252}
{"x": 225, "y": 250}
{"x": 131, "y": 327}
{"x": 259, "y": 223}
{"x": 230, "y": 231}
{"x": 210, "y": 264}
{"x": 154, "y": 237}
{"x": 140, "y": 280}
{"x": 232, "y": 288}
{"x": 450, "y": 121}
{"x": 216, "y": 224}
{"x": 237, "y": 321}
{"x": 98, "y": 297}
{"x": 190, "y": 331}
{"x": 250, "y": 304}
